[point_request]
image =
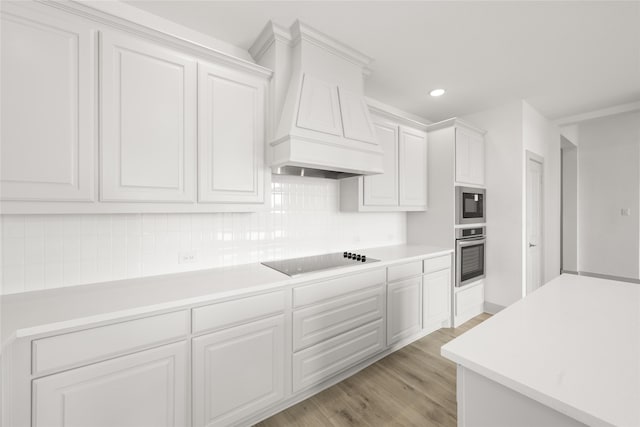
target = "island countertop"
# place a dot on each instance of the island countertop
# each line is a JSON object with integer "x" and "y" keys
{"x": 572, "y": 345}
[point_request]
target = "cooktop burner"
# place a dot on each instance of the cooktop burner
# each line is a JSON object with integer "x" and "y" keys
{"x": 295, "y": 266}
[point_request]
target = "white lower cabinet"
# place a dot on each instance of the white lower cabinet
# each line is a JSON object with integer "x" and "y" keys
{"x": 148, "y": 388}
{"x": 404, "y": 309}
{"x": 231, "y": 361}
{"x": 238, "y": 371}
{"x": 436, "y": 298}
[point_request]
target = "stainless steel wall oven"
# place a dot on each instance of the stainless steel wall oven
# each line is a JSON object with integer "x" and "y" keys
{"x": 470, "y": 255}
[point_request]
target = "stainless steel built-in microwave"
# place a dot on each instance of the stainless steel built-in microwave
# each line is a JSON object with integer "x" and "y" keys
{"x": 470, "y": 205}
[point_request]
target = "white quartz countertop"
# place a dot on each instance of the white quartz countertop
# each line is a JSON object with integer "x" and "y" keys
{"x": 39, "y": 312}
{"x": 573, "y": 345}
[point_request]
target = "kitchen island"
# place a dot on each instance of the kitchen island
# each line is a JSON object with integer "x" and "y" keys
{"x": 566, "y": 355}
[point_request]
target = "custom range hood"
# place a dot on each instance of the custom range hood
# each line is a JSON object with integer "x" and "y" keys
{"x": 320, "y": 123}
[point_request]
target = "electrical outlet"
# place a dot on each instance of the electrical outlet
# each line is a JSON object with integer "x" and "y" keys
{"x": 187, "y": 257}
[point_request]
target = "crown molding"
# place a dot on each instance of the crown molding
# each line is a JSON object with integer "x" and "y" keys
{"x": 454, "y": 122}
{"x": 611, "y": 111}
{"x": 301, "y": 31}
{"x": 108, "y": 17}
{"x": 381, "y": 109}
{"x": 271, "y": 33}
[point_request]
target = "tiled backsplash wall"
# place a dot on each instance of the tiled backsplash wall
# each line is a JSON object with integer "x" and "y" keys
{"x": 51, "y": 251}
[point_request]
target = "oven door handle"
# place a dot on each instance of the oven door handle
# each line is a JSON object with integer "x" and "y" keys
{"x": 470, "y": 242}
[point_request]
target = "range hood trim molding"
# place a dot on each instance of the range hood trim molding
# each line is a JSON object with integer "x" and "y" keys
{"x": 299, "y": 31}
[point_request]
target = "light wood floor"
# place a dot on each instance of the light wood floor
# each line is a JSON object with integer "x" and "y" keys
{"x": 414, "y": 386}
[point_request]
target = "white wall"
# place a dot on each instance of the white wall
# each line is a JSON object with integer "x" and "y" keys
{"x": 511, "y": 130}
{"x": 542, "y": 137}
{"x": 570, "y": 209}
{"x": 503, "y": 152}
{"x": 609, "y": 180}
{"x": 50, "y": 251}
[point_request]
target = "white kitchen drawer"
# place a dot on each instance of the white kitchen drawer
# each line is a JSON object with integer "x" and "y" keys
{"x": 403, "y": 271}
{"x": 90, "y": 345}
{"x": 241, "y": 310}
{"x": 316, "y": 364}
{"x": 469, "y": 298}
{"x": 438, "y": 263}
{"x": 319, "y": 291}
{"x": 322, "y": 321}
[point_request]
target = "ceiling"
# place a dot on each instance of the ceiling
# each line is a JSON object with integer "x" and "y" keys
{"x": 564, "y": 58}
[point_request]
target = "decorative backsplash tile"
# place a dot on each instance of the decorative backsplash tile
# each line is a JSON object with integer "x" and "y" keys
{"x": 51, "y": 251}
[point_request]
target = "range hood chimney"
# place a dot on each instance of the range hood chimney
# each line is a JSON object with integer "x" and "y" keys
{"x": 320, "y": 123}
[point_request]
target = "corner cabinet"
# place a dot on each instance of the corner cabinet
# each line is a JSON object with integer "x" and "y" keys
{"x": 403, "y": 185}
{"x": 127, "y": 122}
{"x": 148, "y": 126}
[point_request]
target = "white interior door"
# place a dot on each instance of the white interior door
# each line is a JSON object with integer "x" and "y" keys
{"x": 534, "y": 222}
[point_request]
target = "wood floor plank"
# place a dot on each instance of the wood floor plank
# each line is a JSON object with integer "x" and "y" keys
{"x": 415, "y": 386}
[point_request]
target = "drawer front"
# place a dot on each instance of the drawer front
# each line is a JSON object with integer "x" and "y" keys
{"x": 319, "y": 322}
{"x": 316, "y": 364}
{"x": 316, "y": 292}
{"x": 467, "y": 299}
{"x": 216, "y": 316}
{"x": 403, "y": 271}
{"x": 103, "y": 342}
{"x": 438, "y": 263}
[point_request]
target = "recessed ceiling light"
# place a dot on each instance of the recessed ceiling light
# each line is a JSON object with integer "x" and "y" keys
{"x": 437, "y": 92}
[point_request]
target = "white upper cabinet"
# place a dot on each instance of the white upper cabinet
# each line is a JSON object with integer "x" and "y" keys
{"x": 47, "y": 108}
{"x": 382, "y": 189}
{"x": 403, "y": 185}
{"x": 231, "y": 136}
{"x": 469, "y": 157}
{"x": 319, "y": 106}
{"x": 148, "y": 106}
{"x": 412, "y": 167}
{"x": 356, "y": 121}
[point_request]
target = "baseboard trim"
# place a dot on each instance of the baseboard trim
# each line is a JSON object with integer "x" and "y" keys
{"x": 608, "y": 277}
{"x": 492, "y": 308}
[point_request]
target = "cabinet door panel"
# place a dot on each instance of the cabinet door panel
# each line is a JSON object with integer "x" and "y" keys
{"x": 231, "y": 136}
{"x": 477, "y": 159}
{"x": 463, "y": 156}
{"x": 143, "y": 389}
{"x": 319, "y": 106}
{"x": 413, "y": 167}
{"x": 47, "y": 109}
{"x": 403, "y": 309}
{"x": 355, "y": 117}
{"x": 436, "y": 304}
{"x": 237, "y": 372}
{"x": 382, "y": 189}
{"x": 148, "y": 122}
